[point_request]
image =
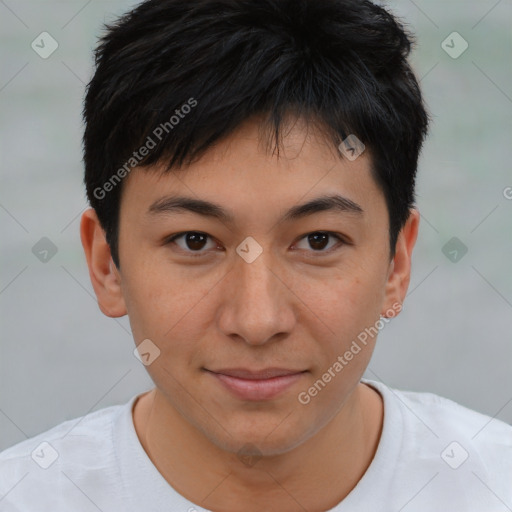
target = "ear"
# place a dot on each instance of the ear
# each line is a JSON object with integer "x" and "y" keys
{"x": 105, "y": 278}
{"x": 399, "y": 274}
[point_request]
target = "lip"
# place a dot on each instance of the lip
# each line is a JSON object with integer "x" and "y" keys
{"x": 256, "y": 385}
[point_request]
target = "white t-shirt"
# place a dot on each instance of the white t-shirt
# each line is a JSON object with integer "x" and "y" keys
{"x": 433, "y": 455}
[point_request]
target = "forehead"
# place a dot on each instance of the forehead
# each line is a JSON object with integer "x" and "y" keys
{"x": 242, "y": 176}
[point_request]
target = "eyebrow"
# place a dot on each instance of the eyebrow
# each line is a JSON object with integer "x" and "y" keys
{"x": 180, "y": 204}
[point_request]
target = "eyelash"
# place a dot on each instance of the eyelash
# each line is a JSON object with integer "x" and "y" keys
{"x": 196, "y": 254}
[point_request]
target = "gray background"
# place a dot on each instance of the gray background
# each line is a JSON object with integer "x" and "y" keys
{"x": 61, "y": 358}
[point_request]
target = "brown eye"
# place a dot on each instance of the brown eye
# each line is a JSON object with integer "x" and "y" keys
{"x": 195, "y": 241}
{"x": 191, "y": 241}
{"x": 319, "y": 240}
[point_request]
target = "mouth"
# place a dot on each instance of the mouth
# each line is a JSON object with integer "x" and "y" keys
{"x": 262, "y": 384}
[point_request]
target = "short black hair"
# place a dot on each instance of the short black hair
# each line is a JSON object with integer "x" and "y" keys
{"x": 176, "y": 76}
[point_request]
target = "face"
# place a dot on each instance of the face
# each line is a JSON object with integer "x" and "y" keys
{"x": 263, "y": 284}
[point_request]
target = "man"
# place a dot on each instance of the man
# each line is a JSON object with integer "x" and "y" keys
{"x": 250, "y": 166}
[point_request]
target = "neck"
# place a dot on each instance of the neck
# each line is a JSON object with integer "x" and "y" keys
{"x": 315, "y": 476}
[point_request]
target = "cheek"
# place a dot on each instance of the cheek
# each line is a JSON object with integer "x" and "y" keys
{"x": 344, "y": 312}
{"x": 165, "y": 305}
{"x": 344, "y": 302}
{"x": 342, "y": 355}
{"x": 169, "y": 313}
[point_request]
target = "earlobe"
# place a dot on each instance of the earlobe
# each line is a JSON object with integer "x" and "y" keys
{"x": 400, "y": 267}
{"x": 105, "y": 277}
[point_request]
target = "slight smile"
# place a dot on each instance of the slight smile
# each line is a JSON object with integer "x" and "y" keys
{"x": 262, "y": 384}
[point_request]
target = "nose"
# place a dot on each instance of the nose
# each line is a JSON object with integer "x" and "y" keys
{"x": 259, "y": 306}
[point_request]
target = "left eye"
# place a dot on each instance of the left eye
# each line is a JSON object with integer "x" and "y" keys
{"x": 318, "y": 240}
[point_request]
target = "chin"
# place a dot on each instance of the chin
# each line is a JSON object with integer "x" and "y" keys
{"x": 257, "y": 439}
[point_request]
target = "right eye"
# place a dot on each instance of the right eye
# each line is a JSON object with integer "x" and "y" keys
{"x": 190, "y": 242}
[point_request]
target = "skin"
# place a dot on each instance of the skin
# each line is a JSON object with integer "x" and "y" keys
{"x": 292, "y": 307}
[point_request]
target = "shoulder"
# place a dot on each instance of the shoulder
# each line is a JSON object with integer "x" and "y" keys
{"x": 472, "y": 451}
{"x": 449, "y": 416}
{"x": 444, "y": 414}
{"x": 57, "y": 457}
{"x": 92, "y": 429}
